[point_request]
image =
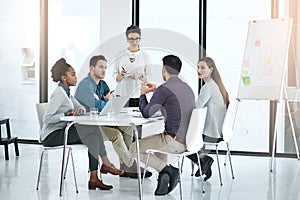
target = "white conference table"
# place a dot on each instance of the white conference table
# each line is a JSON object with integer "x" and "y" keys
{"x": 128, "y": 118}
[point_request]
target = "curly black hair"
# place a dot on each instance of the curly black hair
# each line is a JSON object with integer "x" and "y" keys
{"x": 59, "y": 68}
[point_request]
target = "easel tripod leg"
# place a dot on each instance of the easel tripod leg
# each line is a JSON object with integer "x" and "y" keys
{"x": 293, "y": 129}
{"x": 274, "y": 139}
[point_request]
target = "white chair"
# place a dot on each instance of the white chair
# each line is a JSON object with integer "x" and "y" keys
{"x": 227, "y": 132}
{"x": 41, "y": 107}
{"x": 194, "y": 142}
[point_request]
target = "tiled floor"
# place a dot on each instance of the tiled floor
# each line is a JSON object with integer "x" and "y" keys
{"x": 253, "y": 181}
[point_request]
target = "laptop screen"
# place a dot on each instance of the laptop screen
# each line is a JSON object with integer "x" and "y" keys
{"x": 114, "y": 105}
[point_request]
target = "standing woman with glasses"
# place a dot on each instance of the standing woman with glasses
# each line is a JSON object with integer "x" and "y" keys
{"x": 131, "y": 67}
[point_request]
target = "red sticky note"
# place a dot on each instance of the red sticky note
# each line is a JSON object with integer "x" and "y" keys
{"x": 257, "y": 43}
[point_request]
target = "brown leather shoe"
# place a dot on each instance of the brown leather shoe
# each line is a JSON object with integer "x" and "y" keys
{"x": 99, "y": 184}
{"x": 110, "y": 169}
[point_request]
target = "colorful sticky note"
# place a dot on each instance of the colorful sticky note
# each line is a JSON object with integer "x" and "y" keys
{"x": 257, "y": 43}
{"x": 246, "y": 63}
{"x": 268, "y": 71}
{"x": 244, "y": 73}
{"x": 246, "y": 80}
{"x": 267, "y": 60}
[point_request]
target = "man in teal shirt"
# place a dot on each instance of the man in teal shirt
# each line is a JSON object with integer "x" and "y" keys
{"x": 93, "y": 92}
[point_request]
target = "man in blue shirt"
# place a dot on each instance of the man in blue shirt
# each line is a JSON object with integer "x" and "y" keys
{"x": 176, "y": 101}
{"x": 93, "y": 92}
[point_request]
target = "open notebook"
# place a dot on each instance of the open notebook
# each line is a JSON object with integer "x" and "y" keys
{"x": 114, "y": 105}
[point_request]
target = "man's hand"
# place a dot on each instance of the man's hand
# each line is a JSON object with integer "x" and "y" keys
{"x": 147, "y": 87}
{"x": 151, "y": 87}
{"x": 96, "y": 96}
{"x": 108, "y": 95}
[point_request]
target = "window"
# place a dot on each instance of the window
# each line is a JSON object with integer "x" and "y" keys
{"x": 28, "y": 66}
{"x": 19, "y": 38}
{"x": 174, "y": 28}
{"x": 73, "y": 33}
{"x": 227, "y": 26}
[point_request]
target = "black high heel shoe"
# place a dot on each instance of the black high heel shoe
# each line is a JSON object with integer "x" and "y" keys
{"x": 208, "y": 174}
{"x": 206, "y": 163}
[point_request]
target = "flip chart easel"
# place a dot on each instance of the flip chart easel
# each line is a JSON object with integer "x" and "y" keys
{"x": 264, "y": 66}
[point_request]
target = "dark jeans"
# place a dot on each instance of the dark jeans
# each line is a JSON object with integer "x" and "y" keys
{"x": 83, "y": 134}
{"x": 211, "y": 139}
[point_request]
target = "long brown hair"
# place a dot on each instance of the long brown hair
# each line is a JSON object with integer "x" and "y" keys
{"x": 215, "y": 75}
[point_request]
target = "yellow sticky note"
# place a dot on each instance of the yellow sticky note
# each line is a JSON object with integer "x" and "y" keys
{"x": 267, "y": 60}
{"x": 244, "y": 73}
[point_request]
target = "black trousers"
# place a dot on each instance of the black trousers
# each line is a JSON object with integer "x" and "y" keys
{"x": 83, "y": 134}
{"x": 193, "y": 157}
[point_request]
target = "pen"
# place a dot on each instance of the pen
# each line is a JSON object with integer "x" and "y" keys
{"x": 141, "y": 79}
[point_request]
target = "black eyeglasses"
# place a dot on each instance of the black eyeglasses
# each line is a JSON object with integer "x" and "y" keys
{"x": 134, "y": 39}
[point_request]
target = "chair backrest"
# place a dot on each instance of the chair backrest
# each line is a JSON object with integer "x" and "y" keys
{"x": 194, "y": 141}
{"x": 41, "y": 108}
{"x": 227, "y": 128}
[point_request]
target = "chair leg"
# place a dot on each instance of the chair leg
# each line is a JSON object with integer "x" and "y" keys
{"x": 229, "y": 156}
{"x": 144, "y": 174}
{"x": 217, "y": 153}
{"x": 6, "y": 152}
{"x": 182, "y": 164}
{"x": 99, "y": 163}
{"x": 180, "y": 177}
{"x": 66, "y": 167}
{"x": 16, "y": 148}
{"x": 73, "y": 167}
{"x": 100, "y": 175}
{"x": 193, "y": 166}
{"x": 200, "y": 170}
{"x": 39, "y": 173}
{"x": 225, "y": 160}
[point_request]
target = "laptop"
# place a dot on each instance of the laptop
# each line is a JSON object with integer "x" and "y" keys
{"x": 114, "y": 105}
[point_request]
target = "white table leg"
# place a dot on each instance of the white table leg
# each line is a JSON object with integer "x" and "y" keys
{"x": 136, "y": 134}
{"x": 64, "y": 156}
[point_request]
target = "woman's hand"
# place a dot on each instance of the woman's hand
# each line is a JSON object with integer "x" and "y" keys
{"x": 75, "y": 111}
{"x": 121, "y": 74}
